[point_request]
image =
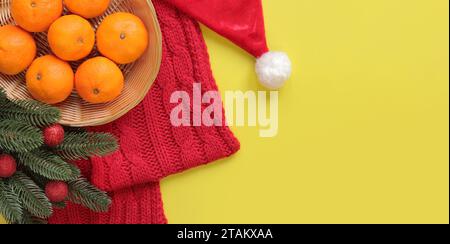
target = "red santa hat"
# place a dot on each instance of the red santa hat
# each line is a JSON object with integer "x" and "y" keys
{"x": 242, "y": 22}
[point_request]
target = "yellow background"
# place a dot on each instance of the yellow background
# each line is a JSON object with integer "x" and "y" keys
{"x": 363, "y": 132}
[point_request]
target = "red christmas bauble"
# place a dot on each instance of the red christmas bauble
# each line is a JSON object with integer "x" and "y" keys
{"x": 57, "y": 191}
{"x": 8, "y": 166}
{"x": 53, "y": 135}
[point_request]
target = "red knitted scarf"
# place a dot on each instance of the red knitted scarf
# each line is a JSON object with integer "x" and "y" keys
{"x": 150, "y": 147}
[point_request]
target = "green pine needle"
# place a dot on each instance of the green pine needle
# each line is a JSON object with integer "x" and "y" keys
{"x": 17, "y": 136}
{"x": 40, "y": 180}
{"x": 29, "y": 219}
{"x": 82, "y": 192}
{"x": 3, "y": 96}
{"x": 81, "y": 145}
{"x": 30, "y": 111}
{"x": 60, "y": 205}
{"x": 48, "y": 165}
{"x": 10, "y": 206}
{"x": 32, "y": 197}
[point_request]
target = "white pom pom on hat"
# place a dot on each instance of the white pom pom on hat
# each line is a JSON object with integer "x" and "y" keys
{"x": 273, "y": 69}
{"x": 242, "y": 22}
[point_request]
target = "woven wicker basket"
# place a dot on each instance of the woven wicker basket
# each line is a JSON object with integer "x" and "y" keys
{"x": 139, "y": 76}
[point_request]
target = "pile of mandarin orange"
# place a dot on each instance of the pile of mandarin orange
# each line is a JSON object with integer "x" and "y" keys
{"x": 121, "y": 38}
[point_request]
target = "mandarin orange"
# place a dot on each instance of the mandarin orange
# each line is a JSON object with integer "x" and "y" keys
{"x": 71, "y": 37}
{"x": 36, "y": 15}
{"x": 17, "y": 49}
{"x": 99, "y": 80}
{"x": 122, "y": 37}
{"x": 50, "y": 80}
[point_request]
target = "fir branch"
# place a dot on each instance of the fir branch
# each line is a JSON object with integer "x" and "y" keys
{"x": 17, "y": 136}
{"x": 48, "y": 165}
{"x": 3, "y": 96}
{"x": 30, "y": 111}
{"x": 69, "y": 129}
{"x": 81, "y": 145}
{"x": 82, "y": 192}
{"x": 29, "y": 219}
{"x": 32, "y": 197}
{"x": 10, "y": 206}
{"x": 60, "y": 205}
{"x": 40, "y": 180}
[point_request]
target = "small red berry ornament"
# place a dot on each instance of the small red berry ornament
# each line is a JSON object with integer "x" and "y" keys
{"x": 57, "y": 191}
{"x": 53, "y": 135}
{"x": 8, "y": 166}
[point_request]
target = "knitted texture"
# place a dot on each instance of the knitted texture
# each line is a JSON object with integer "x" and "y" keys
{"x": 150, "y": 147}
